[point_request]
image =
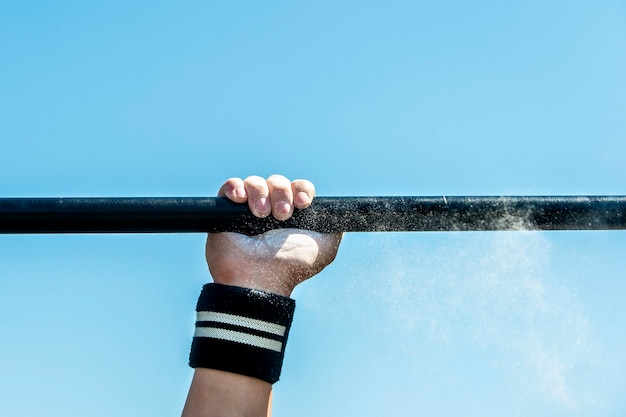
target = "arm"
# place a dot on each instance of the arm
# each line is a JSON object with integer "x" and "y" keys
{"x": 274, "y": 262}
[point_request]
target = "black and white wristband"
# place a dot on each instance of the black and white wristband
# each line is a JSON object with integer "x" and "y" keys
{"x": 241, "y": 330}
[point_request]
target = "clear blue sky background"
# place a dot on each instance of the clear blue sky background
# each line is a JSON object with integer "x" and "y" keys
{"x": 364, "y": 98}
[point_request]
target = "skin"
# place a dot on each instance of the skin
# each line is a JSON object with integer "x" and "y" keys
{"x": 275, "y": 261}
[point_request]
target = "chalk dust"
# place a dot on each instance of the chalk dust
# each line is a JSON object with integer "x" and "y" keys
{"x": 495, "y": 293}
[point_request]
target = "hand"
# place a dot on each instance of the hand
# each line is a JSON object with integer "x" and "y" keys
{"x": 278, "y": 260}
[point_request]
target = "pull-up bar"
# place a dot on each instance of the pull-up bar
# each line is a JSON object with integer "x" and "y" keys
{"x": 326, "y": 214}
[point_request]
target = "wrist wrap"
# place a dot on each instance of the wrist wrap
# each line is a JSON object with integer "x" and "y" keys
{"x": 241, "y": 330}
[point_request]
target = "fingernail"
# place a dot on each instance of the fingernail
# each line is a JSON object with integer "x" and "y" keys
{"x": 301, "y": 198}
{"x": 283, "y": 207}
{"x": 262, "y": 205}
{"x": 240, "y": 192}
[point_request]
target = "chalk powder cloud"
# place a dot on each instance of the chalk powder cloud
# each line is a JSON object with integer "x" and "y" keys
{"x": 363, "y": 98}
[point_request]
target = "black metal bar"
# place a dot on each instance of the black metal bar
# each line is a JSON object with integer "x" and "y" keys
{"x": 326, "y": 214}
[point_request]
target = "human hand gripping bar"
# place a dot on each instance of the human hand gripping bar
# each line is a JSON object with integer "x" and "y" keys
{"x": 326, "y": 214}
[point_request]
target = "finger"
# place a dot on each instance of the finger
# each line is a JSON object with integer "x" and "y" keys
{"x": 303, "y": 193}
{"x": 258, "y": 196}
{"x": 281, "y": 197}
{"x": 234, "y": 190}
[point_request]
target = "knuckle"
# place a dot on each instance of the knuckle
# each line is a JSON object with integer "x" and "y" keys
{"x": 254, "y": 180}
{"x": 277, "y": 178}
{"x": 304, "y": 185}
{"x": 256, "y": 185}
{"x": 279, "y": 185}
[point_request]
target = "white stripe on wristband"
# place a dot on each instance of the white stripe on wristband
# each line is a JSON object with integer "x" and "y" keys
{"x": 241, "y": 321}
{"x": 239, "y": 337}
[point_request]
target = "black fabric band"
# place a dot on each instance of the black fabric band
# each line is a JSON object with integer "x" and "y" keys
{"x": 241, "y": 330}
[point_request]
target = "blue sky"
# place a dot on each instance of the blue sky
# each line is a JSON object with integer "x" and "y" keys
{"x": 363, "y": 98}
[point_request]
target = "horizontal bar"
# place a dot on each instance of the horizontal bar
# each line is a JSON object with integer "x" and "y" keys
{"x": 326, "y": 214}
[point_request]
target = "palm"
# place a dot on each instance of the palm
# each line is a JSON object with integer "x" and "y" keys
{"x": 276, "y": 261}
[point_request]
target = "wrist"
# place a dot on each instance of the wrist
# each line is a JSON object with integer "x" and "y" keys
{"x": 277, "y": 286}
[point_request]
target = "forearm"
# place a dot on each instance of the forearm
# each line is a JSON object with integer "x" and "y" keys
{"x": 216, "y": 393}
